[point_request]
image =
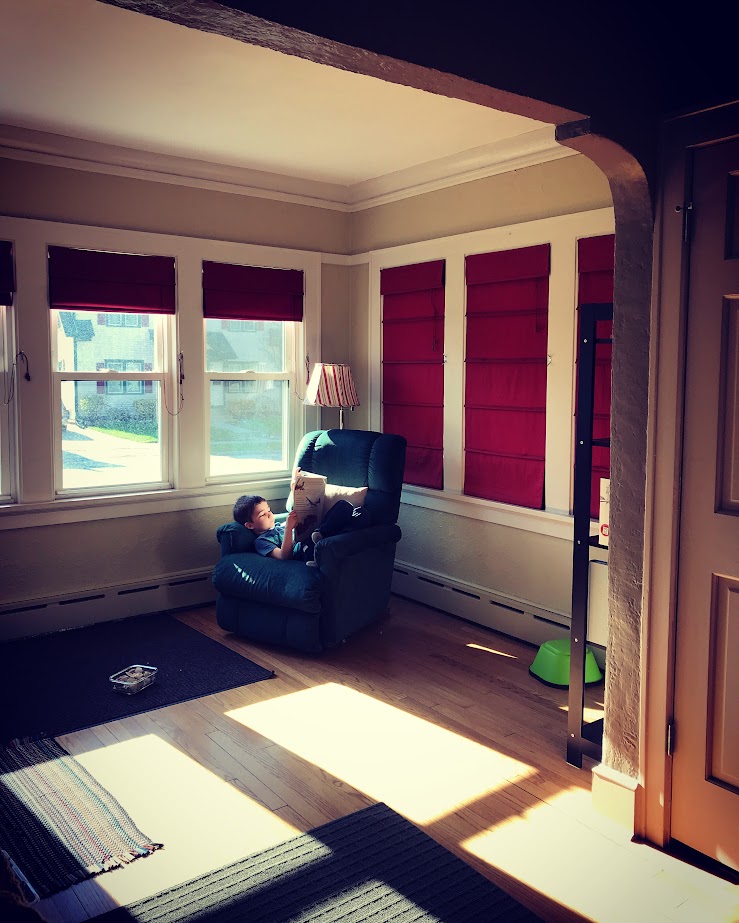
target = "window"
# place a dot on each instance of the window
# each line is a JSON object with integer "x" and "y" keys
{"x": 252, "y": 344}
{"x": 413, "y": 366}
{"x": 506, "y": 375}
{"x": 240, "y": 326}
{"x": 122, "y": 320}
{"x": 111, "y": 394}
{"x": 126, "y": 386}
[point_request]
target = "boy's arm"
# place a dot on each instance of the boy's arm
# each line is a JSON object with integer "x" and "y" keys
{"x": 285, "y": 552}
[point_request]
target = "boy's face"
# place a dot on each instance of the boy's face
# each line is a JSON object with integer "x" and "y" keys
{"x": 262, "y": 518}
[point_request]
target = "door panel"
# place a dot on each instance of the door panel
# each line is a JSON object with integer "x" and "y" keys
{"x": 705, "y": 778}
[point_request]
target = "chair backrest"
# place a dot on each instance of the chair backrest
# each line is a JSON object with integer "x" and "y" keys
{"x": 359, "y": 458}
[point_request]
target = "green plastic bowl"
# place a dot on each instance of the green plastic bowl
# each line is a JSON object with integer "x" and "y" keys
{"x": 552, "y": 664}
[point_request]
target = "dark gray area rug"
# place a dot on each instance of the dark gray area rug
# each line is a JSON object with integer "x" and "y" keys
{"x": 58, "y": 683}
{"x": 373, "y": 865}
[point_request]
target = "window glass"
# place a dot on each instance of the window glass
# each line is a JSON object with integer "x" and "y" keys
{"x": 110, "y": 400}
{"x": 248, "y": 426}
{"x": 248, "y": 367}
{"x": 242, "y": 346}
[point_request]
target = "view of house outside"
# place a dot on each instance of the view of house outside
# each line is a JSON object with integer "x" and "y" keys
{"x": 112, "y": 426}
{"x": 248, "y": 418}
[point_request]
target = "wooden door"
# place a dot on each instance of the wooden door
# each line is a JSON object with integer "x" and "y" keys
{"x": 705, "y": 776}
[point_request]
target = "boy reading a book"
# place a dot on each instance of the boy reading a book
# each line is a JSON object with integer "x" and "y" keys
{"x": 276, "y": 539}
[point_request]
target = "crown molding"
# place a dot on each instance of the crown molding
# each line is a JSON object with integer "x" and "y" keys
{"x": 94, "y": 156}
{"x": 524, "y": 150}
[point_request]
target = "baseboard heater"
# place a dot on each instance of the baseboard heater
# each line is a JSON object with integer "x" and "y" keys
{"x": 519, "y": 618}
{"x": 104, "y": 604}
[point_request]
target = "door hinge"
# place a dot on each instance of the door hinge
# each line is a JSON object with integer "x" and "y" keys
{"x": 670, "y": 741}
{"x": 687, "y": 210}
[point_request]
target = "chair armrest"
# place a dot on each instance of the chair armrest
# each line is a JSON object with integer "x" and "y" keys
{"x": 233, "y": 538}
{"x": 332, "y": 550}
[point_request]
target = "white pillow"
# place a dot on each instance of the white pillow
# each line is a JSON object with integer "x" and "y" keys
{"x": 334, "y": 492}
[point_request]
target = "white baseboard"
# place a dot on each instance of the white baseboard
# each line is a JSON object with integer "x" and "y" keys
{"x": 511, "y": 615}
{"x": 104, "y": 604}
{"x": 617, "y": 796}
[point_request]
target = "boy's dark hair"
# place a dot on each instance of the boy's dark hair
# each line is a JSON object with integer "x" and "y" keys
{"x": 244, "y": 507}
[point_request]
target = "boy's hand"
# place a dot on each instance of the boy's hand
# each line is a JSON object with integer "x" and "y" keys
{"x": 291, "y": 522}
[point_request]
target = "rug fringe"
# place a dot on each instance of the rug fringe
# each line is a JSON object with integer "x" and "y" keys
{"x": 123, "y": 859}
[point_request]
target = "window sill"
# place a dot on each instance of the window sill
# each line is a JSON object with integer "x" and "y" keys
{"x": 118, "y": 506}
{"x": 545, "y": 522}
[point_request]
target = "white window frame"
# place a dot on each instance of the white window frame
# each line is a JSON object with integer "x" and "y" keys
{"x": 34, "y": 501}
{"x": 562, "y": 232}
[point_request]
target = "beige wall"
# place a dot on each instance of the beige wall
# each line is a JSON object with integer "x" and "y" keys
{"x": 511, "y": 561}
{"x": 560, "y": 187}
{"x": 30, "y": 190}
{"x": 47, "y": 561}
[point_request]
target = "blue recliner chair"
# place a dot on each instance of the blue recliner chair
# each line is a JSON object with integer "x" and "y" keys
{"x": 315, "y": 608}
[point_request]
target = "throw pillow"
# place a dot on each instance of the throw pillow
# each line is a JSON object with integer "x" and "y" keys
{"x": 334, "y": 492}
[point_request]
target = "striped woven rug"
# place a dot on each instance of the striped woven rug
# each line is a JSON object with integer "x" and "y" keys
{"x": 373, "y": 865}
{"x": 57, "y": 823}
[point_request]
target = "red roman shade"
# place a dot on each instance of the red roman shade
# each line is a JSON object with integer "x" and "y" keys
{"x": 595, "y": 286}
{"x": 96, "y": 280}
{"x": 232, "y": 292}
{"x": 7, "y": 275}
{"x": 413, "y": 366}
{"x": 506, "y": 375}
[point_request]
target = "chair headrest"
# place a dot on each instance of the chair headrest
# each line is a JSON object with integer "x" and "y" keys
{"x": 359, "y": 458}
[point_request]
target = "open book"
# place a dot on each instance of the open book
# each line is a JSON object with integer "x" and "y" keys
{"x": 308, "y": 492}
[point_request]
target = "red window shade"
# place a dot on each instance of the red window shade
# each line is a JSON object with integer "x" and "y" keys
{"x": 506, "y": 375}
{"x": 595, "y": 286}
{"x": 413, "y": 366}
{"x": 94, "y": 280}
{"x": 7, "y": 275}
{"x": 232, "y": 292}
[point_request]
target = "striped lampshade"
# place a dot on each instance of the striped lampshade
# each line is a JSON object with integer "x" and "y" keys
{"x": 331, "y": 385}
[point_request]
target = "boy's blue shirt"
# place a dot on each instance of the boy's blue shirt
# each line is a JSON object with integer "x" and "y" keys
{"x": 266, "y": 542}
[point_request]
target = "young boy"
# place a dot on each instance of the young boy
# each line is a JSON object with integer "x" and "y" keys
{"x": 275, "y": 540}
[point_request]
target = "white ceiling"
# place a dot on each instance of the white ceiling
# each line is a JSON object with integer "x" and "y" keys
{"x": 79, "y": 69}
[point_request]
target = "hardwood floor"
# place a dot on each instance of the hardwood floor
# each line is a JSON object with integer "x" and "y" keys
{"x": 434, "y": 716}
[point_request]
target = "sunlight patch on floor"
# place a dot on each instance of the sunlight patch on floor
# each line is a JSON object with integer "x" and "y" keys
{"x": 556, "y": 854}
{"x": 490, "y": 650}
{"x": 417, "y": 768}
{"x": 588, "y": 714}
{"x": 203, "y": 821}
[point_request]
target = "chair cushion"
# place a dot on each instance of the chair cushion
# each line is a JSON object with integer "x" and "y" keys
{"x": 248, "y": 575}
{"x": 334, "y": 492}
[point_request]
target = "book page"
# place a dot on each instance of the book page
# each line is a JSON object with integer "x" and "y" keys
{"x": 308, "y": 493}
